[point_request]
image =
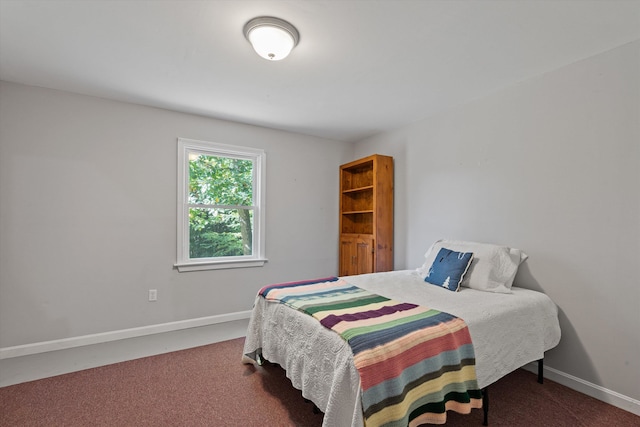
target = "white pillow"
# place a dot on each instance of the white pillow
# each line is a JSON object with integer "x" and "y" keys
{"x": 493, "y": 267}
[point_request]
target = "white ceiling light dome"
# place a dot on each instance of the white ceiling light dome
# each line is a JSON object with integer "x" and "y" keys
{"x": 271, "y": 38}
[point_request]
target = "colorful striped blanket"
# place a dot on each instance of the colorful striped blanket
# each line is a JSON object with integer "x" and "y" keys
{"x": 415, "y": 363}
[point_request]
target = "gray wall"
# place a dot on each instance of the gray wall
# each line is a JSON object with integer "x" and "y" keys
{"x": 88, "y": 215}
{"x": 550, "y": 166}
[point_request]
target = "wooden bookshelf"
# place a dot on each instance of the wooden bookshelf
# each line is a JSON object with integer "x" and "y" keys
{"x": 366, "y": 215}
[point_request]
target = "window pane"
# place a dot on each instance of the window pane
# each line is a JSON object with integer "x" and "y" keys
{"x": 217, "y": 180}
{"x": 220, "y": 232}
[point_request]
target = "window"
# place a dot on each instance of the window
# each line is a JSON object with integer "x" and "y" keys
{"x": 220, "y": 206}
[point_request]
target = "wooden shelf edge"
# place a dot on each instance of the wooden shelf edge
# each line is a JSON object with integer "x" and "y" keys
{"x": 355, "y": 190}
{"x": 367, "y": 211}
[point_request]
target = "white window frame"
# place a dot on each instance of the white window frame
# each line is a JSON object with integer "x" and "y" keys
{"x": 258, "y": 156}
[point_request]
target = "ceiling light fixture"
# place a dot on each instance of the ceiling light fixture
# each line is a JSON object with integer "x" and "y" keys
{"x": 271, "y": 38}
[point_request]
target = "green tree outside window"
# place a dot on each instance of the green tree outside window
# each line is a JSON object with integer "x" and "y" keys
{"x": 220, "y": 206}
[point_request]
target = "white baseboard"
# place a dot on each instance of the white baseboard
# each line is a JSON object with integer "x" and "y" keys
{"x": 30, "y": 362}
{"x": 608, "y": 396}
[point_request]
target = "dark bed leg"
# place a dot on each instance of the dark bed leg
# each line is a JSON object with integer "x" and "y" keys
{"x": 485, "y": 393}
{"x": 316, "y": 410}
{"x": 540, "y": 369}
{"x": 485, "y": 405}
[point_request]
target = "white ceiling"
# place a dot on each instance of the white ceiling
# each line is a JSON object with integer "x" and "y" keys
{"x": 361, "y": 67}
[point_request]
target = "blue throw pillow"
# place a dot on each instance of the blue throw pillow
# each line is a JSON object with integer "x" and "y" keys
{"x": 448, "y": 269}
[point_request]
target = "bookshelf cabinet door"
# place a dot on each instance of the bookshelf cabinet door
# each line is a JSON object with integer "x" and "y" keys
{"x": 356, "y": 255}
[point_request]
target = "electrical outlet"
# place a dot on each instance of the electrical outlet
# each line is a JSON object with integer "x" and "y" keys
{"x": 153, "y": 295}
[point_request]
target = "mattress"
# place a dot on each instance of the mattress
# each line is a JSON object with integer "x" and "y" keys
{"x": 508, "y": 331}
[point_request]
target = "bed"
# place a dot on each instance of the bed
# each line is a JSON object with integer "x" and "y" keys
{"x": 509, "y": 329}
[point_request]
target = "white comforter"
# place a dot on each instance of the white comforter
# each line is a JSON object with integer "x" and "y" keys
{"x": 508, "y": 331}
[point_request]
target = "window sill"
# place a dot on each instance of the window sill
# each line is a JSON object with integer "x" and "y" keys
{"x": 218, "y": 265}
